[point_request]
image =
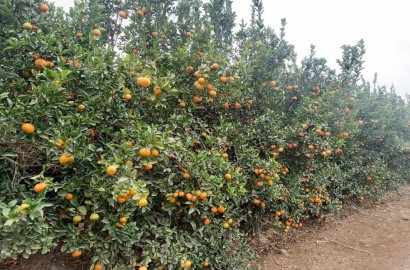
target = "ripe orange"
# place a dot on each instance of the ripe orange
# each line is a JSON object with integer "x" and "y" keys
{"x": 123, "y": 219}
{"x": 221, "y": 209}
{"x": 98, "y": 266}
{"x": 66, "y": 158}
{"x": 201, "y": 81}
{"x": 39, "y": 63}
{"x": 142, "y": 268}
{"x": 43, "y": 8}
{"x": 172, "y": 200}
{"x": 226, "y": 106}
{"x": 69, "y": 196}
{"x": 76, "y": 253}
{"x": 224, "y": 79}
{"x": 123, "y": 14}
{"x": 148, "y": 166}
{"x": 121, "y": 200}
{"x": 228, "y": 176}
{"x": 142, "y": 202}
{"x": 272, "y": 83}
{"x": 143, "y": 82}
{"x": 237, "y": 105}
{"x": 157, "y": 92}
{"x": 40, "y": 187}
{"x": 187, "y": 264}
{"x": 154, "y": 152}
{"x": 127, "y": 96}
{"x": 190, "y": 69}
{"x": 225, "y": 225}
{"x": 81, "y": 107}
{"x": 214, "y": 210}
{"x": 225, "y": 155}
{"x": 28, "y": 128}
{"x": 182, "y": 104}
{"x": 186, "y": 176}
{"x": 215, "y": 66}
{"x": 144, "y": 152}
{"x": 96, "y": 32}
{"x": 79, "y": 34}
{"x": 205, "y": 264}
{"x": 197, "y": 99}
{"x": 154, "y": 34}
{"x": 111, "y": 170}
{"x": 212, "y": 93}
{"x": 140, "y": 14}
{"x": 206, "y": 221}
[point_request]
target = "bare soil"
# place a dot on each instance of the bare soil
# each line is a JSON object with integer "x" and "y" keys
{"x": 372, "y": 237}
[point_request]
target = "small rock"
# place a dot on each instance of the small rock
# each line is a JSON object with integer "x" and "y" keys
{"x": 282, "y": 251}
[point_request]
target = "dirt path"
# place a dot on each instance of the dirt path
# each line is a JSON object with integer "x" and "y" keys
{"x": 369, "y": 238}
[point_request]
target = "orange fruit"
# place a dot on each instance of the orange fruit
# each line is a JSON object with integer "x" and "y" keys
{"x": 172, "y": 200}
{"x": 132, "y": 192}
{"x": 123, "y": 219}
{"x": 212, "y": 93}
{"x": 81, "y": 107}
{"x": 140, "y": 14}
{"x": 205, "y": 264}
{"x": 121, "y": 200}
{"x": 154, "y": 34}
{"x": 98, "y": 266}
{"x": 40, "y": 187}
{"x": 228, "y": 176}
{"x": 186, "y": 176}
{"x": 79, "y": 34}
{"x": 144, "y": 82}
{"x": 69, "y": 196}
{"x": 187, "y": 264}
{"x": 23, "y": 208}
{"x": 225, "y": 225}
{"x": 154, "y": 152}
{"x": 182, "y": 104}
{"x": 144, "y": 152}
{"x": 157, "y": 92}
{"x": 128, "y": 143}
{"x": 96, "y": 32}
{"x": 77, "y": 219}
{"x": 148, "y": 166}
{"x": 224, "y": 155}
{"x": 66, "y": 158}
{"x": 237, "y": 105}
{"x": 206, "y": 221}
{"x": 214, "y": 210}
{"x": 181, "y": 194}
{"x": 76, "y": 253}
{"x": 215, "y": 66}
{"x": 221, "y": 209}
{"x": 142, "y": 202}
{"x": 224, "y": 79}
{"x": 28, "y": 128}
{"x": 94, "y": 217}
{"x": 123, "y": 14}
{"x": 226, "y": 106}
{"x": 197, "y": 99}
{"x": 272, "y": 83}
{"x": 111, "y": 170}
{"x": 142, "y": 268}
{"x": 127, "y": 96}
{"x": 43, "y": 8}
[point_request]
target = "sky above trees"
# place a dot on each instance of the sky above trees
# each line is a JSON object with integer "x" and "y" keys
{"x": 330, "y": 24}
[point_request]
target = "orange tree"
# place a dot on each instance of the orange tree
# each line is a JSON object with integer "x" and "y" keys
{"x": 149, "y": 134}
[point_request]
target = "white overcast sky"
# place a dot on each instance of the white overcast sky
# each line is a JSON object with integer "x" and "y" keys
{"x": 384, "y": 26}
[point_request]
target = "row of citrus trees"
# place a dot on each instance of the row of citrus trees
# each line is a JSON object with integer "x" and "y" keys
{"x": 149, "y": 134}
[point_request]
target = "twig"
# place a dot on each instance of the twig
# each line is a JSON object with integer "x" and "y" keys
{"x": 21, "y": 165}
{"x": 343, "y": 245}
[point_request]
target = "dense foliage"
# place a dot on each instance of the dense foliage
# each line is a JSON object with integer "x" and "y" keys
{"x": 154, "y": 134}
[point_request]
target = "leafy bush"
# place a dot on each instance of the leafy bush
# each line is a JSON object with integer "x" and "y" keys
{"x": 151, "y": 134}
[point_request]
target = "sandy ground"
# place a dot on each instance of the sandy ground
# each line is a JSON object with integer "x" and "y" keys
{"x": 374, "y": 237}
